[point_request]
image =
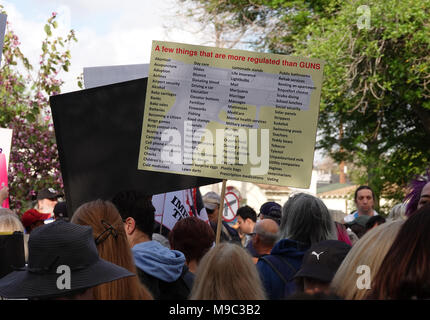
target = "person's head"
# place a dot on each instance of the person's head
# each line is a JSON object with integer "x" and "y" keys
{"x": 227, "y": 272}
{"x": 337, "y": 215}
{"x": 63, "y": 260}
{"x": 193, "y": 237}
{"x": 32, "y": 219}
{"x": 306, "y": 219}
{"x": 212, "y": 203}
{"x": 419, "y": 194}
{"x": 358, "y": 225}
{"x": 405, "y": 270}
{"x": 397, "y": 212}
{"x": 271, "y": 210}
{"x": 9, "y": 221}
{"x": 60, "y": 211}
{"x": 424, "y": 196}
{"x": 266, "y": 233}
{"x": 320, "y": 264}
{"x": 374, "y": 222}
{"x": 138, "y": 214}
{"x": 246, "y": 218}
{"x": 369, "y": 251}
{"x": 112, "y": 245}
{"x": 364, "y": 199}
{"x": 46, "y": 200}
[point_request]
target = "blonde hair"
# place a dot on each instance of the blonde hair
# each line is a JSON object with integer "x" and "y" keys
{"x": 9, "y": 222}
{"x": 370, "y": 251}
{"x": 227, "y": 272}
{"x": 113, "y": 247}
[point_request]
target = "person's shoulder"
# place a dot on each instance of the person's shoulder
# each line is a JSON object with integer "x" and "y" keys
{"x": 350, "y": 217}
{"x": 230, "y": 229}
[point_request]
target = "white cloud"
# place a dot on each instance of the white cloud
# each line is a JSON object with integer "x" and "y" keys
{"x": 29, "y": 32}
{"x": 108, "y": 34}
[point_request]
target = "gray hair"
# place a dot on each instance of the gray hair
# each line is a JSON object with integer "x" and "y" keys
{"x": 267, "y": 238}
{"x": 397, "y": 212}
{"x": 305, "y": 218}
{"x": 6, "y": 211}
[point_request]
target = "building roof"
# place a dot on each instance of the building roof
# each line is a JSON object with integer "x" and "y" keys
{"x": 268, "y": 187}
{"x": 336, "y": 190}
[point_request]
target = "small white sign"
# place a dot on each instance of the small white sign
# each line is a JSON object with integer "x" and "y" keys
{"x": 173, "y": 206}
{"x": 231, "y": 205}
{"x": 102, "y": 76}
{"x": 6, "y": 143}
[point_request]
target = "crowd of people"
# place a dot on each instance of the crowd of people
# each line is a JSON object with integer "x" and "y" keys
{"x": 114, "y": 250}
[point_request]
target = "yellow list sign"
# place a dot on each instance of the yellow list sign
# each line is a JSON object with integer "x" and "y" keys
{"x": 231, "y": 114}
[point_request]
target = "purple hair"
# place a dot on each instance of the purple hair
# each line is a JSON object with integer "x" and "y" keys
{"x": 416, "y": 187}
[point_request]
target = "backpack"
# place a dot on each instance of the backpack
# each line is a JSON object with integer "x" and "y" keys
{"x": 277, "y": 263}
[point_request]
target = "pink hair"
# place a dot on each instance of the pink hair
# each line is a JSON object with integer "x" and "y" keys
{"x": 342, "y": 234}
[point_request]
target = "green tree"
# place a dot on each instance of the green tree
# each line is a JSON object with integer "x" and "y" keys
{"x": 24, "y": 107}
{"x": 376, "y": 88}
{"x": 375, "y": 107}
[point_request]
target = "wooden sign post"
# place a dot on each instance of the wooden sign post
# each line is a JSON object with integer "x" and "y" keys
{"x": 220, "y": 211}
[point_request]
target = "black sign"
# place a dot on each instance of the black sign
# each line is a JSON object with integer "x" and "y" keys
{"x": 98, "y": 135}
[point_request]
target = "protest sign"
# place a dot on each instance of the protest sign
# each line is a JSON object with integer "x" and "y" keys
{"x": 5, "y": 145}
{"x": 173, "y": 206}
{"x": 231, "y": 114}
{"x": 3, "y": 19}
{"x": 231, "y": 205}
{"x": 105, "y": 75}
{"x": 98, "y": 133}
{"x": 169, "y": 207}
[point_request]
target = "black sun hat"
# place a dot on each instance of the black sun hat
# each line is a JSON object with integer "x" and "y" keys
{"x": 322, "y": 260}
{"x": 60, "y": 244}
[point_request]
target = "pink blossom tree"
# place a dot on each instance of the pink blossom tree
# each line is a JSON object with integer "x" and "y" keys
{"x": 24, "y": 107}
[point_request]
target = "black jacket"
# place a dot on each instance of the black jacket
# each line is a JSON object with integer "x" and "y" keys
{"x": 162, "y": 290}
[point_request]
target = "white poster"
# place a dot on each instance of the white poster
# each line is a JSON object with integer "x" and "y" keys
{"x": 173, "y": 206}
{"x": 6, "y": 143}
{"x": 231, "y": 114}
{"x": 102, "y": 76}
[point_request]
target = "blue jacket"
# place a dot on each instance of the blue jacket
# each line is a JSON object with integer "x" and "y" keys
{"x": 292, "y": 251}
